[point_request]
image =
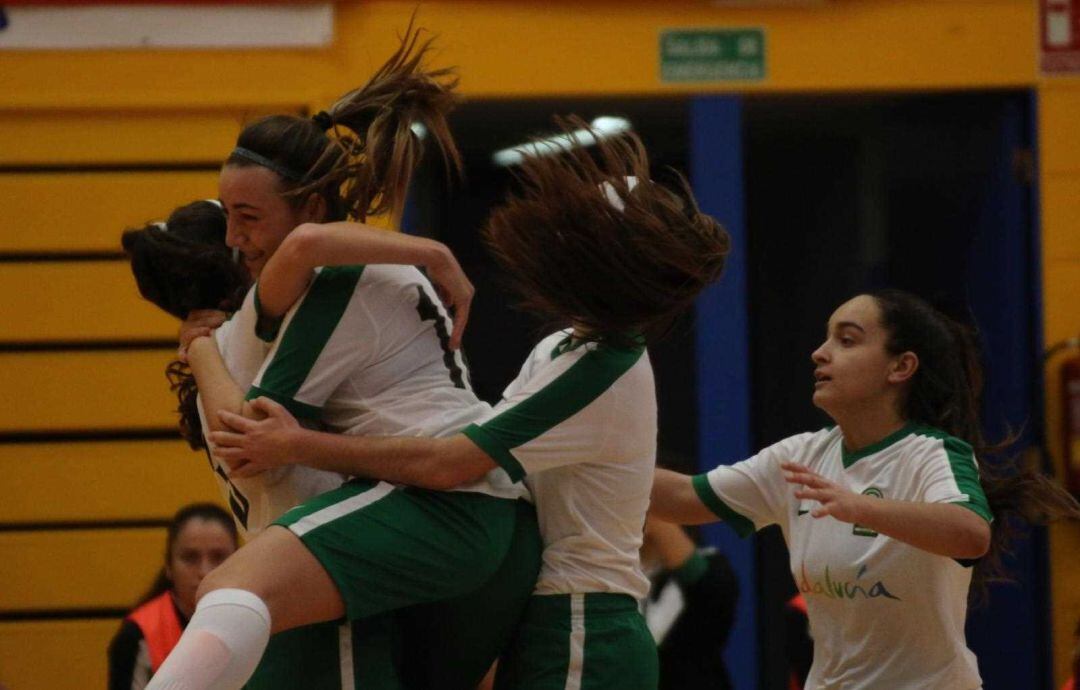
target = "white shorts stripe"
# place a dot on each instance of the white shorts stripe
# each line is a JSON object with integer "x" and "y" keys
{"x": 348, "y": 679}
{"x": 333, "y": 512}
{"x": 577, "y": 642}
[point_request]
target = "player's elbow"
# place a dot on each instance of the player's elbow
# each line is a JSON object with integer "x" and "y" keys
{"x": 300, "y": 244}
{"x": 446, "y": 476}
{"x": 453, "y": 463}
{"x": 976, "y": 539}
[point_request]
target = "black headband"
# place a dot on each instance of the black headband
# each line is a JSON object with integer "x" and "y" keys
{"x": 265, "y": 162}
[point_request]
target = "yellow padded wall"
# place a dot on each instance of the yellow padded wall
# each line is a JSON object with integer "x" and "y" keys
{"x": 87, "y": 211}
{"x": 103, "y": 481}
{"x": 86, "y": 390}
{"x": 77, "y": 300}
{"x": 55, "y": 655}
{"x": 1059, "y": 148}
{"x": 78, "y": 569}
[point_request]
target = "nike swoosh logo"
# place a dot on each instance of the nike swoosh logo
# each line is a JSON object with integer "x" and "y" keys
{"x": 803, "y": 512}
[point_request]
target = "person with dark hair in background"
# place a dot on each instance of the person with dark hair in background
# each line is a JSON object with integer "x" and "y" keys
{"x": 608, "y": 257}
{"x": 199, "y": 538}
{"x": 885, "y": 513}
{"x": 690, "y": 608}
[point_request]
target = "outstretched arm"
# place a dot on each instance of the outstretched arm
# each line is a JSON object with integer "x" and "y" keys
{"x": 288, "y": 272}
{"x": 431, "y": 463}
{"x": 674, "y": 500}
{"x": 940, "y": 528}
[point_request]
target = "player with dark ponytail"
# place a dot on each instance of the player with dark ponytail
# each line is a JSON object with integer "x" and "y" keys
{"x": 893, "y": 514}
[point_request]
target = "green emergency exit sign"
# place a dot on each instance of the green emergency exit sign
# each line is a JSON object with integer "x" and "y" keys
{"x": 695, "y": 55}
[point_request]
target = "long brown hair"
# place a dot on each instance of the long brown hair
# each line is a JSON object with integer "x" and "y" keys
{"x": 945, "y": 393}
{"x": 180, "y": 265}
{"x": 573, "y": 256}
{"x": 360, "y": 154}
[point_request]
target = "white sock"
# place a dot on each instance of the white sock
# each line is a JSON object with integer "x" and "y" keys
{"x": 221, "y": 646}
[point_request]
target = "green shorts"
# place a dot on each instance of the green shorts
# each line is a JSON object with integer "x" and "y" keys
{"x": 388, "y": 547}
{"x": 334, "y": 656}
{"x": 587, "y": 641}
{"x": 458, "y": 568}
{"x": 451, "y": 644}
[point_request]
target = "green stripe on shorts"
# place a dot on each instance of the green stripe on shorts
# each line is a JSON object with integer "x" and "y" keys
{"x": 594, "y": 641}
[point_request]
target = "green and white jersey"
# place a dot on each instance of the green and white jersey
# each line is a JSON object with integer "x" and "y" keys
{"x": 883, "y": 614}
{"x": 366, "y": 352}
{"x": 579, "y": 425}
{"x": 257, "y": 501}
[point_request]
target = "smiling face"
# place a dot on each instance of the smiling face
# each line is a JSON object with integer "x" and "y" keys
{"x": 853, "y": 369}
{"x": 259, "y": 217}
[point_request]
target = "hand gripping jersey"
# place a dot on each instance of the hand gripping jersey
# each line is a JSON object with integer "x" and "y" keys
{"x": 579, "y": 425}
{"x": 257, "y": 501}
{"x": 883, "y": 614}
{"x": 366, "y": 352}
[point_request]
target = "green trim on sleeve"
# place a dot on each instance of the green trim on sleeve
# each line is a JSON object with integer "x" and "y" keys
{"x": 266, "y": 327}
{"x": 298, "y": 409}
{"x": 572, "y": 391}
{"x": 310, "y": 329}
{"x": 742, "y": 526}
{"x": 979, "y": 510}
{"x": 965, "y": 471}
{"x": 496, "y": 451}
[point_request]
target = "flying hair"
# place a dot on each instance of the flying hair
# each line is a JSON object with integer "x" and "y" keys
{"x": 617, "y": 272}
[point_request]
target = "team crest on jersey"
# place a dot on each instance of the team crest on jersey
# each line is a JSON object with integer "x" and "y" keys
{"x": 857, "y": 529}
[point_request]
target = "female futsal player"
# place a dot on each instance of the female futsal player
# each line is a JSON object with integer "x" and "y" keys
{"x": 366, "y": 348}
{"x": 610, "y": 257}
{"x": 183, "y": 266}
{"x": 886, "y": 512}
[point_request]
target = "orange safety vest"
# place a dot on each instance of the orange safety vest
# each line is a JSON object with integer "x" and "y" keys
{"x": 160, "y": 627}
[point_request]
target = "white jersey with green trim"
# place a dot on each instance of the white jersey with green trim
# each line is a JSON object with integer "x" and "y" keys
{"x": 579, "y": 425}
{"x": 883, "y": 614}
{"x": 365, "y": 351}
{"x": 257, "y": 501}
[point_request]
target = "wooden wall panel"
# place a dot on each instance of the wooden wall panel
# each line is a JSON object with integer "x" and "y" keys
{"x": 116, "y": 137}
{"x": 87, "y": 211}
{"x": 78, "y": 569}
{"x": 53, "y": 391}
{"x": 77, "y": 301}
{"x": 56, "y": 655}
{"x": 101, "y": 481}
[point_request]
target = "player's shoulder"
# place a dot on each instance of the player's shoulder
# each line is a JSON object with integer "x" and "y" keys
{"x": 931, "y": 442}
{"x": 391, "y": 275}
{"x": 812, "y": 443}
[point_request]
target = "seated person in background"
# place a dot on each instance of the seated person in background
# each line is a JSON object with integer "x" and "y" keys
{"x": 200, "y": 536}
{"x": 690, "y": 608}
